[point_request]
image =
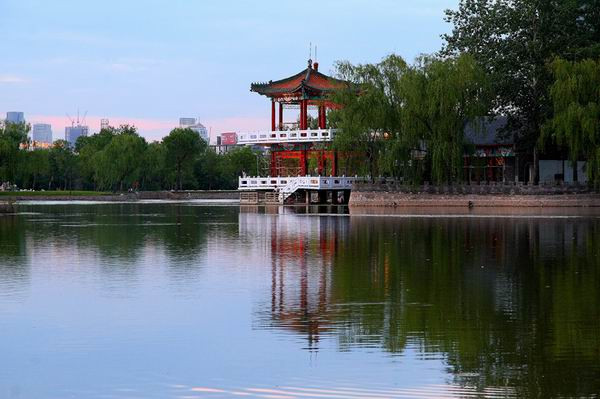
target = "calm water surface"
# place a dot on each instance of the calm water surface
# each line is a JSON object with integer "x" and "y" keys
{"x": 197, "y": 301}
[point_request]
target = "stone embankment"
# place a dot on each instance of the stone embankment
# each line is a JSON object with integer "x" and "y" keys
{"x": 391, "y": 194}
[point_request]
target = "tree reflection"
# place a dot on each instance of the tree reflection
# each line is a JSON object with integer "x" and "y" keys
{"x": 505, "y": 301}
{"x": 14, "y": 260}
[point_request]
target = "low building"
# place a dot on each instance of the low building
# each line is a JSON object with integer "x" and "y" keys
{"x": 225, "y": 142}
{"x": 490, "y": 154}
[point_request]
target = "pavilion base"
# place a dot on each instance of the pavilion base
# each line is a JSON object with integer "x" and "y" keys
{"x": 299, "y": 197}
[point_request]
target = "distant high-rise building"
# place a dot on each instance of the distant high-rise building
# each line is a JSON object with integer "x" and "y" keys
{"x": 72, "y": 133}
{"x": 104, "y": 124}
{"x": 192, "y": 123}
{"x": 42, "y": 133}
{"x": 15, "y": 117}
{"x": 187, "y": 122}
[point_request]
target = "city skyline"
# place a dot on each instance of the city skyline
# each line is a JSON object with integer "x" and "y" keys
{"x": 143, "y": 66}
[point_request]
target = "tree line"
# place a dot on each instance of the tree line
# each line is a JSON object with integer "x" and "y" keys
{"x": 537, "y": 62}
{"x": 119, "y": 159}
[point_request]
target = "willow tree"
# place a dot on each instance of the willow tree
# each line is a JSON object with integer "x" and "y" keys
{"x": 369, "y": 109}
{"x": 120, "y": 162}
{"x": 12, "y": 135}
{"x": 575, "y": 123}
{"x": 442, "y": 96}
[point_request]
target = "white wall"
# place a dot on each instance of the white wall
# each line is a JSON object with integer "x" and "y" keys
{"x": 548, "y": 168}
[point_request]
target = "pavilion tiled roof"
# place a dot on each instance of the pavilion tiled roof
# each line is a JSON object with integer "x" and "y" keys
{"x": 309, "y": 80}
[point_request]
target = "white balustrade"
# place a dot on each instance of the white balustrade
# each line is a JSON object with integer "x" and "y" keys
{"x": 288, "y": 185}
{"x": 286, "y": 136}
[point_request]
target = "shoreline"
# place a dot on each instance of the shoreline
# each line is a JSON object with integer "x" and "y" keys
{"x": 469, "y": 201}
{"x": 127, "y": 197}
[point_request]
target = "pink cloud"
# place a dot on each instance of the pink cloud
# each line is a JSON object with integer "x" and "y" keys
{"x": 155, "y": 129}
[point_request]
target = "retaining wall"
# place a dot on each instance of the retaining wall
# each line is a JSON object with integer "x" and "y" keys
{"x": 492, "y": 195}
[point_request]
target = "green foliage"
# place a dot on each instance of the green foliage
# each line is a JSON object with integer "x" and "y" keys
{"x": 11, "y": 136}
{"x": 119, "y": 163}
{"x": 154, "y": 175}
{"x": 575, "y": 124}
{"x": 440, "y": 98}
{"x": 514, "y": 41}
{"x": 37, "y": 168}
{"x": 90, "y": 149}
{"x": 119, "y": 159}
{"x": 208, "y": 171}
{"x": 237, "y": 162}
{"x": 364, "y": 119}
{"x": 62, "y": 166}
{"x": 182, "y": 147}
{"x": 405, "y": 111}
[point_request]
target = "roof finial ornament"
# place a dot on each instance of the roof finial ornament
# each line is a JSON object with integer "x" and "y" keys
{"x": 310, "y": 55}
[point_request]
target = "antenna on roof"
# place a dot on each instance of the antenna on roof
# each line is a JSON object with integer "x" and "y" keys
{"x": 316, "y": 59}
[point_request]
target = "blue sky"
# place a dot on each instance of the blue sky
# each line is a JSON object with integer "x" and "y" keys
{"x": 150, "y": 62}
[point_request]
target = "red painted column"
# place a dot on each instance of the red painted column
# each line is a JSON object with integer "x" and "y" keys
{"x": 280, "y": 116}
{"x": 273, "y": 115}
{"x": 324, "y": 117}
{"x": 304, "y": 117}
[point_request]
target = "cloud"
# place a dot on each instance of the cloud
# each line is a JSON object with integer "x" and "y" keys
{"x": 134, "y": 64}
{"x": 12, "y": 79}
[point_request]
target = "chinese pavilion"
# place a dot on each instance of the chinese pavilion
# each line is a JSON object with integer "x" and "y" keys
{"x": 298, "y": 149}
{"x": 307, "y": 89}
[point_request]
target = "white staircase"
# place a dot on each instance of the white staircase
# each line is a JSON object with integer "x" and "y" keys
{"x": 288, "y": 189}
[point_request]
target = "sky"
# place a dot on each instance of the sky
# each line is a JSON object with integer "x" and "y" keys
{"x": 149, "y": 62}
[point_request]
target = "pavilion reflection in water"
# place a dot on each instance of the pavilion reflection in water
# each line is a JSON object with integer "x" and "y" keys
{"x": 301, "y": 248}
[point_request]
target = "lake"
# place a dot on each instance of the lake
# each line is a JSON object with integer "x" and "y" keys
{"x": 197, "y": 300}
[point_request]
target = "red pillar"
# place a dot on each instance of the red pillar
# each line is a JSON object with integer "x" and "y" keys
{"x": 280, "y": 116}
{"x": 322, "y": 117}
{"x": 272, "y": 115}
{"x": 303, "y": 163}
{"x": 303, "y": 114}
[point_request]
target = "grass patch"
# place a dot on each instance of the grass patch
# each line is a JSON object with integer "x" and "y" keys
{"x": 51, "y": 193}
